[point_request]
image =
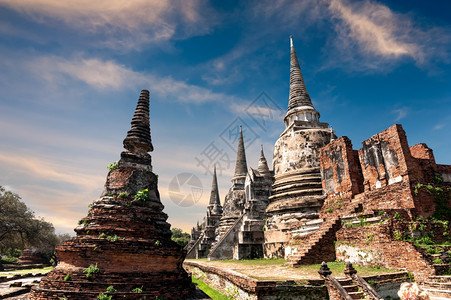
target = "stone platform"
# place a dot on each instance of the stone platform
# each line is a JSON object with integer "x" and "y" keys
{"x": 241, "y": 281}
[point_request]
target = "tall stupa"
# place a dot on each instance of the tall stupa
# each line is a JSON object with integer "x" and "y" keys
{"x": 296, "y": 192}
{"x": 123, "y": 247}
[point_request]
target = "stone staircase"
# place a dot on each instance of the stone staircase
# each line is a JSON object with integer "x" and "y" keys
{"x": 319, "y": 246}
{"x": 438, "y": 287}
{"x": 191, "y": 249}
{"x": 351, "y": 288}
{"x": 222, "y": 249}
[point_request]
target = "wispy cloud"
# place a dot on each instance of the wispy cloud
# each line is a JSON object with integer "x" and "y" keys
{"x": 439, "y": 126}
{"x": 50, "y": 170}
{"x": 400, "y": 113}
{"x": 131, "y": 23}
{"x": 376, "y": 28}
{"x": 106, "y": 74}
{"x": 381, "y": 35}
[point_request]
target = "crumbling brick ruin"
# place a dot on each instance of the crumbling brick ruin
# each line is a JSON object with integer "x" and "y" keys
{"x": 124, "y": 241}
{"x": 330, "y": 202}
{"x": 203, "y": 236}
{"x": 376, "y": 197}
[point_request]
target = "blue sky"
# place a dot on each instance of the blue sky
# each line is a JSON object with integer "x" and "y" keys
{"x": 72, "y": 71}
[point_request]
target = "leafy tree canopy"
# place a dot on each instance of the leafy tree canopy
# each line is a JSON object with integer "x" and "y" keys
{"x": 180, "y": 237}
{"x": 19, "y": 228}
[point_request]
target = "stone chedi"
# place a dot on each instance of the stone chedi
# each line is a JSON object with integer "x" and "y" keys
{"x": 244, "y": 238}
{"x": 203, "y": 238}
{"x": 257, "y": 190}
{"x": 296, "y": 192}
{"x": 235, "y": 198}
{"x": 124, "y": 241}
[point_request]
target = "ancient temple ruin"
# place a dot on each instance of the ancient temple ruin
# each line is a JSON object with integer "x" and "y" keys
{"x": 244, "y": 238}
{"x": 325, "y": 201}
{"x": 204, "y": 235}
{"x": 235, "y": 198}
{"x": 296, "y": 194}
{"x": 124, "y": 243}
{"x": 378, "y": 199}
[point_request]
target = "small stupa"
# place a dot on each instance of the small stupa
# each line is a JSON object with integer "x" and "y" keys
{"x": 123, "y": 247}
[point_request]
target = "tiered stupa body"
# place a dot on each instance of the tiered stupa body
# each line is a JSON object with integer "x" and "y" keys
{"x": 296, "y": 193}
{"x": 125, "y": 241}
{"x": 201, "y": 241}
{"x": 258, "y": 188}
{"x": 235, "y": 198}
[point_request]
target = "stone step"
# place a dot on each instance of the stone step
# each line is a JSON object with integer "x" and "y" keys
{"x": 438, "y": 285}
{"x": 357, "y": 295}
{"x": 442, "y": 278}
{"x": 345, "y": 281}
{"x": 351, "y": 288}
{"x": 439, "y": 293}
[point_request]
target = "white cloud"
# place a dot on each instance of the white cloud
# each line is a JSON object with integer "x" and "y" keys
{"x": 439, "y": 126}
{"x": 371, "y": 36}
{"x": 376, "y": 28}
{"x": 103, "y": 75}
{"x": 400, "y": 113}
{"x": 128, "y": 24}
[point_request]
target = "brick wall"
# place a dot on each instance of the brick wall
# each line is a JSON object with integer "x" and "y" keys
{"x": 377, "y": 246}
{"x": 385, "y": 158}
{"x": 340, "y": 169}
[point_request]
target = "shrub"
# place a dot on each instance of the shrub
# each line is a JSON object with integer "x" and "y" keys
{"x": 142, "y": 195}
{"x": 112, "y": 166}
{"x": 123, "y": 195}
{"x": 111, "y": 289}
{"x": 114, "y": 238}
{"x": 91, "y": 270}
{"x": 103, "y": 296}
{"x": 437, "y": 261}
{"x": 137, "y": 290}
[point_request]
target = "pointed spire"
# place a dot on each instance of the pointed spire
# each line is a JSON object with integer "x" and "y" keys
{"x": 298, "y": 92}
{"x": 263, "y": 168}
{"x": 138, "y": 137}
{"x": 241, "y": 165}
{"x": 214, "y": 196}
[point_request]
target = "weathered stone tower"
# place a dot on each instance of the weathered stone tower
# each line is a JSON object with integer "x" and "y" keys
{"x": 296, "y": 193}
{"x": 258, "y": 188}
{"x": 235, "y": 198}
{"x": 124, "y": 241}
{"x": 244, "y": 238}
{"x": 202, "y": 240}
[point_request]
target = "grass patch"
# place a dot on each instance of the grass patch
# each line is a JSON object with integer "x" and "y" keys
{"x": 256, "y": 262}
{"x": 337, "y": 269}
{"x": 212, "y": 293}
{"x": 25, "y": 271}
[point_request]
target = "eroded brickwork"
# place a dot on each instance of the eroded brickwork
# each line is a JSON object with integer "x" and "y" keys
{"x": 124, "y": 241}
{"x": 340, "y": 169}
{"x": 396, "y": 180}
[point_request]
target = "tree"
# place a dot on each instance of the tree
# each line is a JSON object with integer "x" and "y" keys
{"x": 19, "y": 228}
{"x": 180, "y": 237}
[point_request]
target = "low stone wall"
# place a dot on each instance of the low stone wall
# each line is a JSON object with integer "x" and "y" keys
{"x": 240, "y": 286}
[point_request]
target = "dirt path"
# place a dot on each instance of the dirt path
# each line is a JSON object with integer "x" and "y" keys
{"x": 277, "y": 272}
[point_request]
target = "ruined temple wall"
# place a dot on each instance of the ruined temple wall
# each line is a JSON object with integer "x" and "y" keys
{"x": 376, "y": 246}
{"x": 384, "y": 172}
{"x": 340, "y": 169}
{"x": 385, "y": 158}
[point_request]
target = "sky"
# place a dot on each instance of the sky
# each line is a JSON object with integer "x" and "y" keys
{"x": 72, "y": 71}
